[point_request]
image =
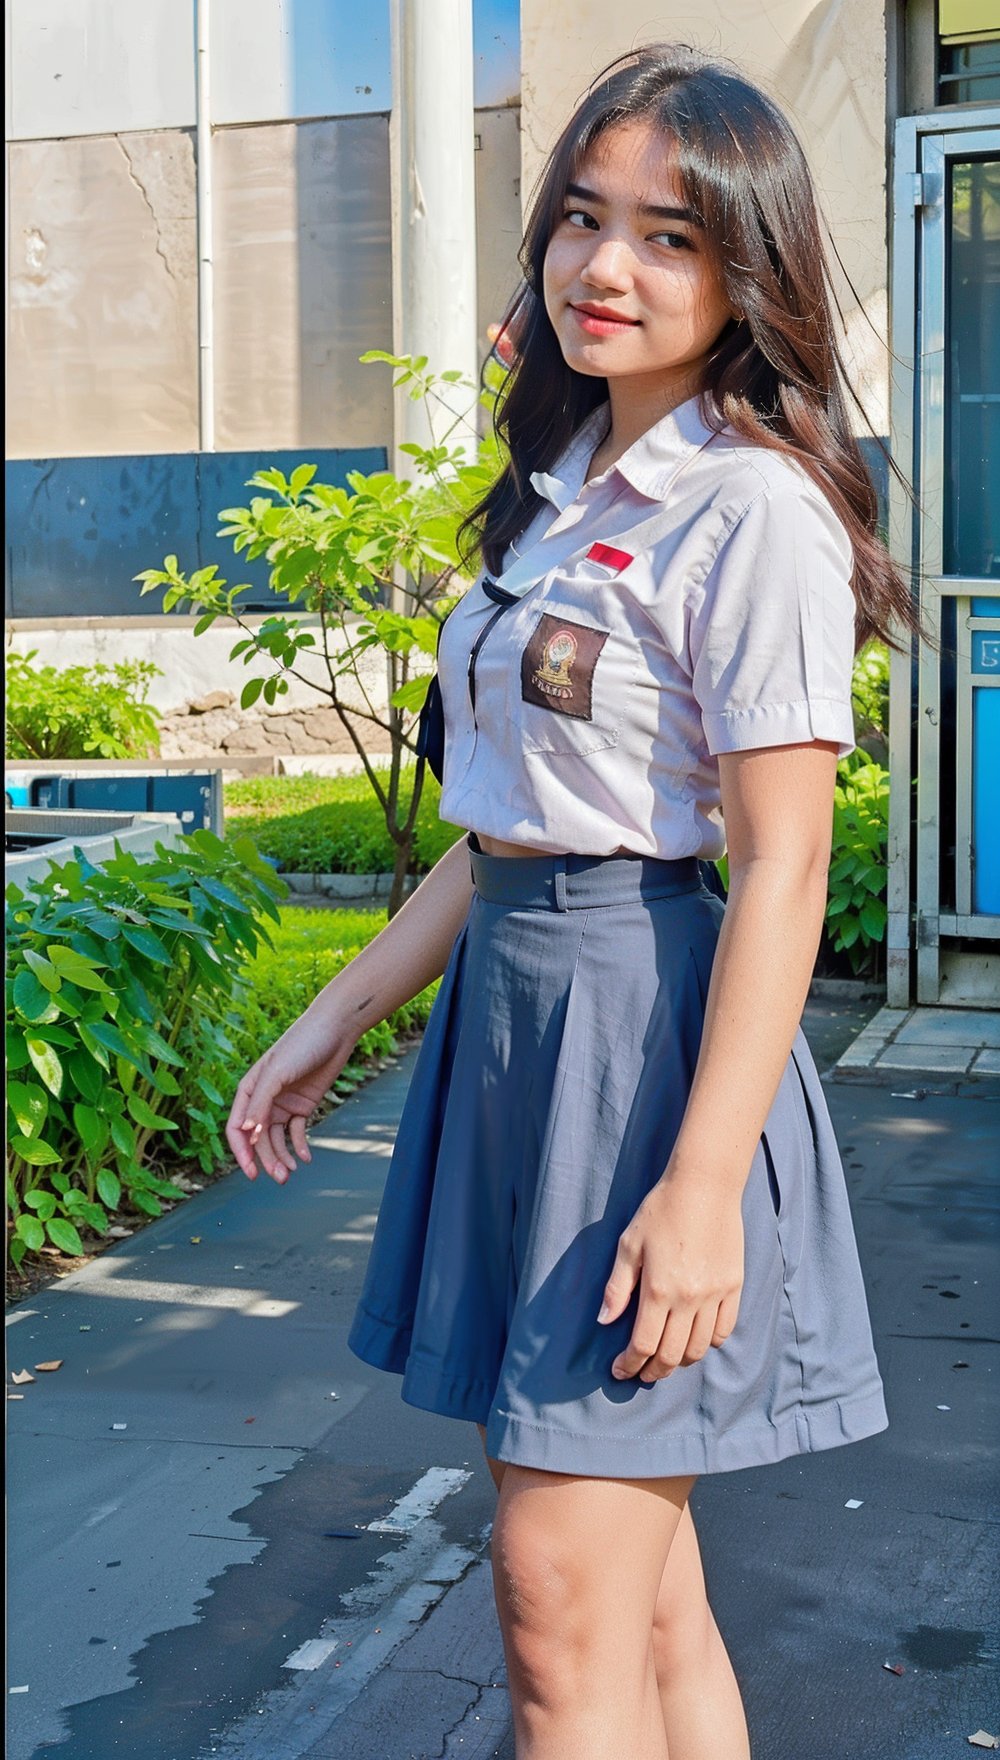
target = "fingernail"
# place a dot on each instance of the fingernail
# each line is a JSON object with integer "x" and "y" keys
{"x": 605, "y": 1314}
{"x": 619, "y": 1374}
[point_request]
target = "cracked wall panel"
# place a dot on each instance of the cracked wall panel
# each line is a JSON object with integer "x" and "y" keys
{"x": 103, "y": 350}
{"x": 303, "y": 283}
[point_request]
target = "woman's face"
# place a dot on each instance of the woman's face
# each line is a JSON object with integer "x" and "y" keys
{"x": 628, "y": 285}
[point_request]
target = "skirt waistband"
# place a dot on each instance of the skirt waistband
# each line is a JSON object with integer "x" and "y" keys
{"x": 577, "y": 882}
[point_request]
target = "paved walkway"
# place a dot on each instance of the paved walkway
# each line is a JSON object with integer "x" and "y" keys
{"x": 952, "y": 1045}
{"x": 276, "y": 1558}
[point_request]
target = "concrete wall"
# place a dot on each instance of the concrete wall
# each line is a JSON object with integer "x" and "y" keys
{"x": 823, "y": 60}
{"x": 103, "y": 323}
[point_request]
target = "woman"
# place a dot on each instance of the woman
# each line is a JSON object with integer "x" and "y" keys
{"x": 615, "y": 1232}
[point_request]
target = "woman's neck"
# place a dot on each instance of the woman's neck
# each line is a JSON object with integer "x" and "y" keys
{"x": 636, "y": 405}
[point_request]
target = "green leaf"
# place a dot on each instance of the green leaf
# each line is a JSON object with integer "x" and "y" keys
{"x": 143, "y": 1114}
{"x": 31, "y": 999}
{"x": 250, "y": 692}
{"x": 94, "y": 1046}
{"x": 301, "y": 477}
{"x": 123, "y": 1136}
{"x": 145, "y": 1201}
{"x": 873, "y": 918}
{"x": 63, "y": 1235}
{"x": 44, "y": 970}
{"x": 41, "y": 1201}
{"x": 31, "y": 1232}
{"x": 148, "y": 944}
{"x": 412, "y": 694}
{"x": 47, "y": 1064}
{"x": 35, "y": 1151}
{"x": 154, "y": 1042}
{"x": 29, "y": 1103}
{"x": 86, "y": 1074}
{"x": 76, "y": 968}
{"x": 92, "y": 1129}
{"x": 109, "y": 1188}
{"x": 109, "y": 1038}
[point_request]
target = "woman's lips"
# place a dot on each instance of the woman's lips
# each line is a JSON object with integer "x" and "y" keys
{"x": 602, "y": 326}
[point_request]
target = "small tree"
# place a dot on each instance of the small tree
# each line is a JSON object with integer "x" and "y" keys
{"x": 335, "y": 553}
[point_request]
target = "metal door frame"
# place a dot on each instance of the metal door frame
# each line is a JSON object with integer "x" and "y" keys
{"x": 923, "y": 147}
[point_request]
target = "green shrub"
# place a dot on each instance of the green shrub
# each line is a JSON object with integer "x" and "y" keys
{"x": 118, "y": 992}
{"x": 80, "y": 711}
{"x": 870, "y": 691}
{"x": 856, "y": 907}
{"x": 332, "y": 824}
{"x": 138, "y": 994}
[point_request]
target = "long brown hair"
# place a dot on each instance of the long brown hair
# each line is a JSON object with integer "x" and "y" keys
{"x": 776, "y": 375}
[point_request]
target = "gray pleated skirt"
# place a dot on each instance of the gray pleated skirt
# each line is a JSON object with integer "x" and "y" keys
{"x": 544, "y": 1101}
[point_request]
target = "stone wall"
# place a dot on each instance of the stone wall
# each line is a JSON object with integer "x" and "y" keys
{"x": 215, "y": 723}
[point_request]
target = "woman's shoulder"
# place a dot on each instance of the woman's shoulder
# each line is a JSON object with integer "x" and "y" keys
{"x": 770, "y": 490}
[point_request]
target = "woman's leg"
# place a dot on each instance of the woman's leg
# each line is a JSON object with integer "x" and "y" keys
{"x": 577, "y": 1564}
{"x": 699, "y": 1697}
{"x": 702, "y": 1708}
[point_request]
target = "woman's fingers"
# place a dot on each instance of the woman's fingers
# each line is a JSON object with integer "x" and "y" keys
{"x": 300, "y": 1142}
{"x": 621, "y": 1283}
{"x": 729, "y": 1307}
{"x": 670, "y": 1346}
{"x": 646, "y": 1335}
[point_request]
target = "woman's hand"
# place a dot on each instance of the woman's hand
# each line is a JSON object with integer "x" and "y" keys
{"x": 684, "y": 1246}
{"x": 283, "y": 1089}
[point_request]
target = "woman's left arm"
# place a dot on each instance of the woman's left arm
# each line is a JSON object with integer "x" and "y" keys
{"x": 684, "y": 1246}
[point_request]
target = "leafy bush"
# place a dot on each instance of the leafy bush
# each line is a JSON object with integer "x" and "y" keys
{"x": 80, "y": 711}
{"x": 118, "y": 992}
{"x": 856, "y": 909}
{"x": 138, "y": 994}
{"x": 332, "y": 824}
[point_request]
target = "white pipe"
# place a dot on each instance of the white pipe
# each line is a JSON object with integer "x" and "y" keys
{"x": 205, "y": 193}
{"x": 432, "y": 158}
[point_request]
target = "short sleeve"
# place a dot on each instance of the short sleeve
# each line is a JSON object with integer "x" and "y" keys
{"x": 771, "y": 628}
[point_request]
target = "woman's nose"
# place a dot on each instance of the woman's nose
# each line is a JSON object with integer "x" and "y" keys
{"x": 608, "y": 265}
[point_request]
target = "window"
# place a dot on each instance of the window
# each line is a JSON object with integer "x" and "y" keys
{"x": 968, "y": 51}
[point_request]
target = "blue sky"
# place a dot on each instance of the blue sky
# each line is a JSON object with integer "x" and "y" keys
{"x": 349, "y": 41}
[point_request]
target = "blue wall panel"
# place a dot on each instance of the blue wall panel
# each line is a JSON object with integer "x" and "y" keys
{"x": 78, "y": 529}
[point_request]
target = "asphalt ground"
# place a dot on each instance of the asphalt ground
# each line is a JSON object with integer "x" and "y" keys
{"x": 163, "y": 1576}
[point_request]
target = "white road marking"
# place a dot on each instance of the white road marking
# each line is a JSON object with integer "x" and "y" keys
{"x": 430, "y": 1490}
{"x": 12, "y": 1320}
{"x": 311, "y": 1653}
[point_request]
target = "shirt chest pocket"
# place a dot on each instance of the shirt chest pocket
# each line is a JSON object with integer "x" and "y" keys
{"x": 572, "y": 681}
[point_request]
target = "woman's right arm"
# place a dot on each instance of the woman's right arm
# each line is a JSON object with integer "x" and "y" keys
{"x": 285, "y": 1085}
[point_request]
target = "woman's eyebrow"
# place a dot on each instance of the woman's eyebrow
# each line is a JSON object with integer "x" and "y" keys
{"x": 647, "y": 208}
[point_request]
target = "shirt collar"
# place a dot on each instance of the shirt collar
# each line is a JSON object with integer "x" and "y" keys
{"x": 648, "y": 465}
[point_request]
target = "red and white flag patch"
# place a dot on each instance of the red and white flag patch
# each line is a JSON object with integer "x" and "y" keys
{"x": 609, "y": 556}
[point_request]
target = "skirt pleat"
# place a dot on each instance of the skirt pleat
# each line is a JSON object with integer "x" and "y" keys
{"x": 544, "y": 1102}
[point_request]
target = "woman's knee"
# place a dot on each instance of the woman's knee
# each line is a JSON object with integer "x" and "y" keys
{"x": 542, "y": 1604}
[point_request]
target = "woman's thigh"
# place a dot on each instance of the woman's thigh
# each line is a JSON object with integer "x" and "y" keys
{"x": 681, "y": 1592}
{"x": 578, "y": 1562}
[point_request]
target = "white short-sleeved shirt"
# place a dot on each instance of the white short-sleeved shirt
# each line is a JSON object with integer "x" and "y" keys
{"x": 693, "y": 599}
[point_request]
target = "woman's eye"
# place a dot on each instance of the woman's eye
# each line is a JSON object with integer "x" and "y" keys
{"x": 580, "y": 217}
{"x": 675, "y": 238}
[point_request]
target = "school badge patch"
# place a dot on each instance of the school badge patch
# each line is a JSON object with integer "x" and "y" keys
{"x": 557, "y": 666}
